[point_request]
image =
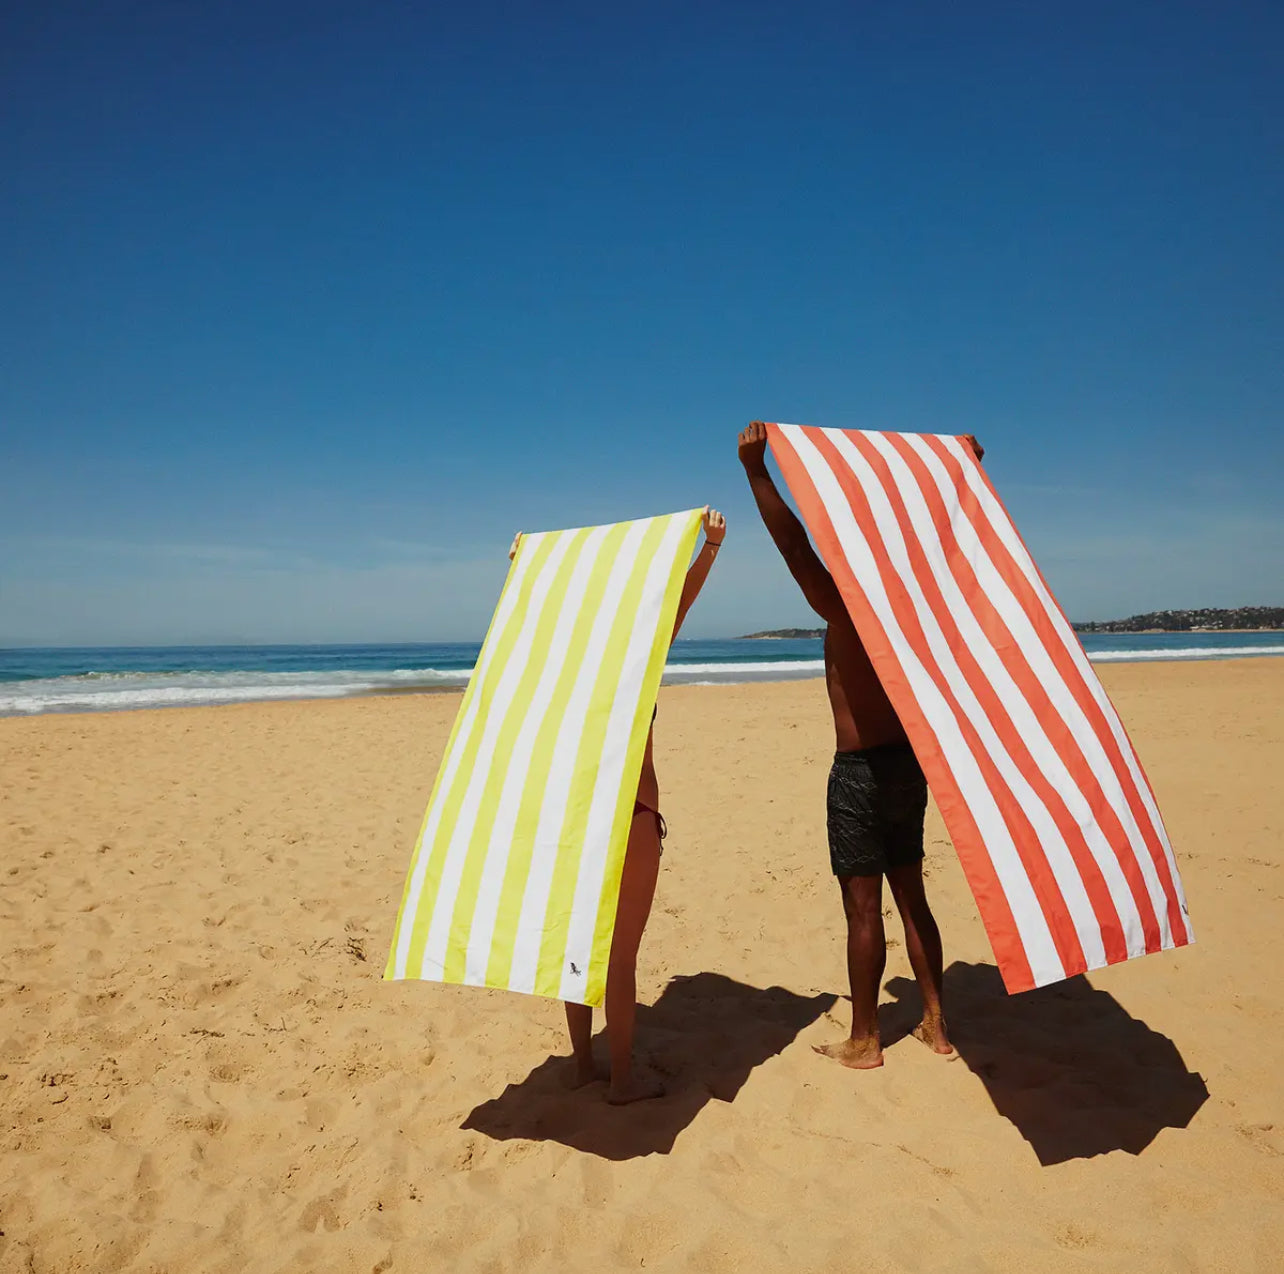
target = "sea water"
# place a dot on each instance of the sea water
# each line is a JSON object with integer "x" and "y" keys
{"x": 65, "y": 679}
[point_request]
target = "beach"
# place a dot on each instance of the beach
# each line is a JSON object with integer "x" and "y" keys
{"x": 201, "y": 1068}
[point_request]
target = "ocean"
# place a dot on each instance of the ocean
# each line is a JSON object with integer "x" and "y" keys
{"x": 65, "y": 679}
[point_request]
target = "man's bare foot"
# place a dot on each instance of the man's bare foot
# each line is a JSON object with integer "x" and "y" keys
{"x": 582, "y": 1073}
{"x": 931, "y": 1030}
{"x": 860, "y": 1055}
{"x": 636, "y": 1088}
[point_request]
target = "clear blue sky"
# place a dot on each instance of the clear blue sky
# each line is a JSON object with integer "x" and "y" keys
{"x": 307, "y": 307}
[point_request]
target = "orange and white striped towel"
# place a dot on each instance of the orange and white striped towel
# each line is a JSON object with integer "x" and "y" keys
{"x": 1040, "y": 789}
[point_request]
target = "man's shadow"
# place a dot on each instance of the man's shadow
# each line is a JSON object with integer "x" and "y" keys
{"x": 1067, "y": 1064}
{"x": 704, "y": 1034}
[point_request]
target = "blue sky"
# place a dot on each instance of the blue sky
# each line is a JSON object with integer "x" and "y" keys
{"x": 308, "y": 307}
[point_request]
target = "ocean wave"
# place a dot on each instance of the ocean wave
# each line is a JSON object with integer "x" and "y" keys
{"x": 94, "y": 691}
{"x": 779, "y": 667}
{"x": 90, "y": 692}
{"x": 1188, "y": 652}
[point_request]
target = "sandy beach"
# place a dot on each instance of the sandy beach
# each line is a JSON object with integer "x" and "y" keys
{"x": 201, "y": 1068}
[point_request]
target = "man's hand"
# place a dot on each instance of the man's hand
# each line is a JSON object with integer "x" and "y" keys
{"x": 753, "y": 446}
{"x": 715, "y": 527}
{"x": 512, "y": 548}
{"x": 977, "y": 450}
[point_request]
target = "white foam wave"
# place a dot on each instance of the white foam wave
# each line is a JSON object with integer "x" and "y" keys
{"x": 1189, "y": 652}
{"x": 730, "y": 671}
{"x": 95, "y": 692}
{"x": 108, "y": 691}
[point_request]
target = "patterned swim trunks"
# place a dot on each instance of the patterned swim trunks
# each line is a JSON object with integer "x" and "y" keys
{"x": 877, "y": 802}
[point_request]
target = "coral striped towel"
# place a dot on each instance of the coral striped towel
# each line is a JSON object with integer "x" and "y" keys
{"x": 1040, "y": 789}
{"x": 516, "y": 875}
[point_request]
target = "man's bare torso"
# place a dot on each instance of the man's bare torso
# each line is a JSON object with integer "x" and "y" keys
{"x": 863, "y": 714}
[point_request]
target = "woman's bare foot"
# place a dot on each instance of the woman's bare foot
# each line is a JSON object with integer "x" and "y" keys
{"x": 635, "y": 1089}
{"x": 931, "y": 1030}
{"x": 860, "y": 1055}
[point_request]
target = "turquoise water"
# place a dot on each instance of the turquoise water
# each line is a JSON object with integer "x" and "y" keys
{"x": 64, "y": 679}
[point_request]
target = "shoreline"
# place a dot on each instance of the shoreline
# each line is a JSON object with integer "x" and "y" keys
{"x": 675, "y": 675}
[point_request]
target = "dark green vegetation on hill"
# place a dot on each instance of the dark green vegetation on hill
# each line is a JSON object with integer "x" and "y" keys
{"x": 786, "y": 632}
{"x": 1191, "y": 621}
{"x": 1162, "y": 621}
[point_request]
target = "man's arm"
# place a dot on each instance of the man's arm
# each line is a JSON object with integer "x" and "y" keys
{"x": 790, "y": 538}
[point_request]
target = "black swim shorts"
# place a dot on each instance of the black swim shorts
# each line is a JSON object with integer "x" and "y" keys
{"x": 877, "y": 801}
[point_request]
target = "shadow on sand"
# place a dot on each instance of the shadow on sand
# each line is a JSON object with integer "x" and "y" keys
{"x": 1067, "y": 1064}
{"x": 705, "y": 1034}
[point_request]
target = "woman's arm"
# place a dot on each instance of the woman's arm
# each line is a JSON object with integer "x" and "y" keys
{"x": 715, "y": 529}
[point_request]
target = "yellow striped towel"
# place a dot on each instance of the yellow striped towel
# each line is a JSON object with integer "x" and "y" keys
{"x": 516, "y": 875}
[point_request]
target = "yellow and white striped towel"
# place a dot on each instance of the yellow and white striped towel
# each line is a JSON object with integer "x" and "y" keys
{"x": 515, "y": 877}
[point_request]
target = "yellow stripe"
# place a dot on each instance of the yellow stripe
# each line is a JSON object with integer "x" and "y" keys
{"x": 518, "y": 708}
{"x": 604, "y": 929}
{"x": 499, "y": 969}
{"x": 454, "y": 797}
{"x": 465, "y": 703}
{"x": 548, "y": 979}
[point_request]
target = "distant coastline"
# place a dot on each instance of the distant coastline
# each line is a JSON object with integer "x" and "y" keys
{"x": 783, "y": 634}
{"x": 1242, "y": 619}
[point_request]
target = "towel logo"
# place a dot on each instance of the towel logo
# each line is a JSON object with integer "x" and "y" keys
{"x": 576, "y": 970}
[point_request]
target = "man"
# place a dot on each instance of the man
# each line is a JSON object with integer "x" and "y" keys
{"x": 877, "y": 793}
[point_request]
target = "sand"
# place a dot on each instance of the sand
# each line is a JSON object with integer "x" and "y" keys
{"x": 201, "y": 1068}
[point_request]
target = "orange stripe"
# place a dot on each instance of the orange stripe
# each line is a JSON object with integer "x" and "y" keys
{"x": 1073, "y": 679}
{"x": 1060, "y": 923}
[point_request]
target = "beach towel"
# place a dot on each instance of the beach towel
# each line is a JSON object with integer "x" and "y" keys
{"x": 1040, "y": 789}
{"x": 516, "y": 874}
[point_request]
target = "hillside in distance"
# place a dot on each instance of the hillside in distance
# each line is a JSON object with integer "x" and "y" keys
{"x": 1208, "y": 620}
{"x": 1191, "y": 621}
{"x": 793, "y": 633}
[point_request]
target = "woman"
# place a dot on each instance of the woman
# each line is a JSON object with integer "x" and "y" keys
{"x": 637, "y": 889}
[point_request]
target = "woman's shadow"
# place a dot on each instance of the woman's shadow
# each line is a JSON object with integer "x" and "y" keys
{"x": 1067, "y": 1064}
{"x": 705, "y": 1034}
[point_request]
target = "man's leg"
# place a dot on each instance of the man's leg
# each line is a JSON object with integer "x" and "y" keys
{"x": 923, "y": 945}
{"x": 866, "y": 959}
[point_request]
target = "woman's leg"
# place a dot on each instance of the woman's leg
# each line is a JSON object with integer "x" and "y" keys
{"x": 579, "y": 1022}
{"x": 637, "y": 889}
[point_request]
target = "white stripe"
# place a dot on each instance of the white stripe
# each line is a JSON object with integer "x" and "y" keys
{"x": 1024, "y": 719}
{"x": 552, "y": 815}
{"x": 434, "y": 955}
{"x": 450, "y": 764}
{"x": 1057, "y": 852}
{"x": 1032, "y": 927}
{"x": 495, "y": 867}
{"x": 1071, "y": 717}
{"x": 619, "y": 731}
{"x": 1006, "y": 532}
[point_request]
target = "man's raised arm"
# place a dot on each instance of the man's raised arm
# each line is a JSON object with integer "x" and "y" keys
{"x": 790, "y": 538}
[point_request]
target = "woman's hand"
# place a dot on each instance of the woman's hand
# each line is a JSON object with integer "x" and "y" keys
{"x": 512, "y": 548}
{"x": 715, "y": 527}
